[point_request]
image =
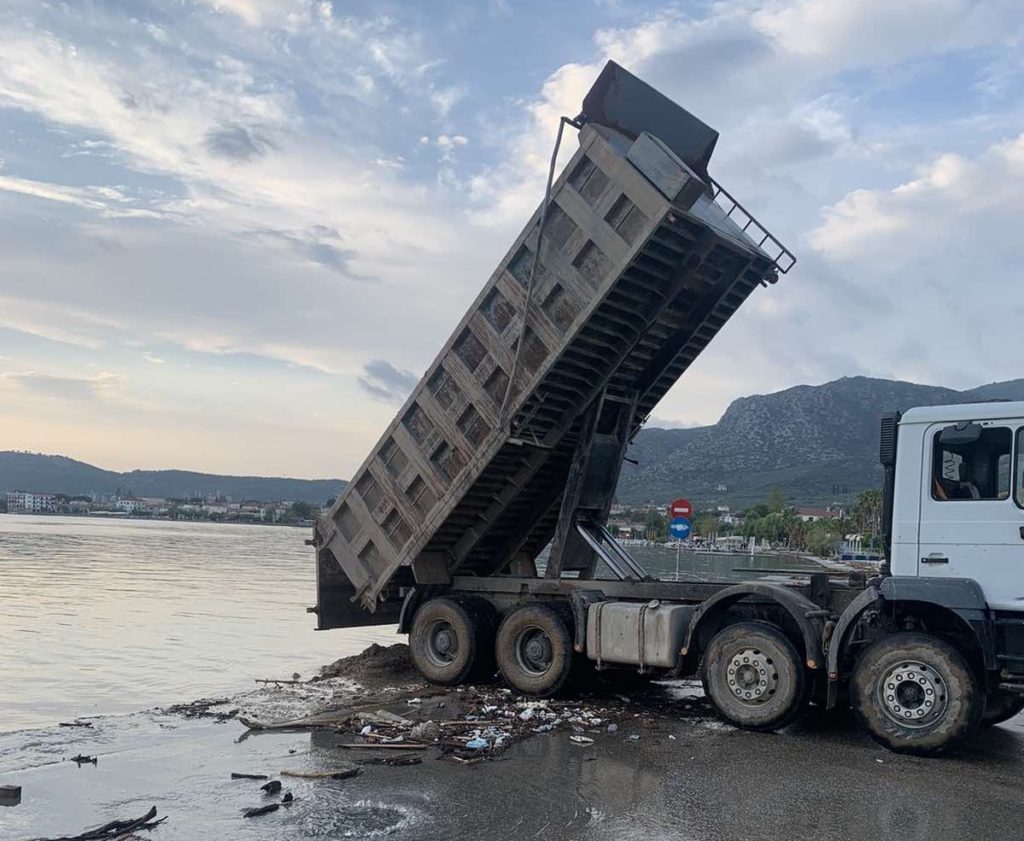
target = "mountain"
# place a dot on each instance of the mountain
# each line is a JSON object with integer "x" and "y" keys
{"x": 59, "y": 474}
{"x": 815, "y": 443}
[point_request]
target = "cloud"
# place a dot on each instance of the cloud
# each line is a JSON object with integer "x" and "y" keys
{"x": 64, "y": 388}
{"x": 237, "y": 143}
{"x": 929, "y": 208}
{"x": 879, "y": 32}
{"x": 383, "y": 381}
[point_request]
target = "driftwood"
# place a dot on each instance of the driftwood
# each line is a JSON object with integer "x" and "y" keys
{"x": 76, "y": 724}
{"x": 395, "y": 746}
{"x": 392, "y": 761}
{"x": 115, "y": 829}
{"x": 237, "y": 775}
{"x": 282, "y": 682}
{"x": 261, "y": 810}
{"x": 343, "y": 774}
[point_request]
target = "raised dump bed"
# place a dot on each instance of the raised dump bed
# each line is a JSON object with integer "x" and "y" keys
{"x": 640, "y": 265}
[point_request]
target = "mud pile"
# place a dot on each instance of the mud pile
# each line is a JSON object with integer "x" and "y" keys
{"x": 378, "y": 665}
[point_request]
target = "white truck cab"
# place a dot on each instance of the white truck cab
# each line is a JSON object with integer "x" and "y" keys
{"x": 958, "y": 498}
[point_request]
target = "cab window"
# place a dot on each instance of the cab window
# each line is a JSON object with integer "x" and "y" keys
{"x": 1018, "y": 484}
{"x": 971, "y": 463}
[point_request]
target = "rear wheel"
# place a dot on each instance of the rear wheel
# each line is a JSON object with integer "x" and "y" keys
{"x": 444, "y": 641}
{"x": 916, "y": 694}
{"x": 534, "y": 650}
{"x": 1000, "y": 707}
{"x": 754, "y": 676}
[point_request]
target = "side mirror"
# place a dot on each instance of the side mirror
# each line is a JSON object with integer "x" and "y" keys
{"x": 960, "y": 435}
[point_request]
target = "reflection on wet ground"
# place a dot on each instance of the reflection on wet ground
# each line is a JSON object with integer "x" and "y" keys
{"x": 820, "y": 779}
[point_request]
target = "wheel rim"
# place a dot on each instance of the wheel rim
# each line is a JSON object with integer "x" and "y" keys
{"x": 913, "y": 694}
{"x": 442, "y": 643}
{"x": 534, "y": 651}
{"x": 753, "y": 676}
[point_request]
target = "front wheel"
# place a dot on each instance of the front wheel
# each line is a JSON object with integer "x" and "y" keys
{"x": 754, "y": 676}
{"x": 444, "y": 641}
{"x": 916, "y": 694}
{"x": 1000, "y": 707}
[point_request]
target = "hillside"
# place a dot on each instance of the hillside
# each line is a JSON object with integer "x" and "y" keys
{"x": 59, "y": 474}
{"x": 815, "y": 443}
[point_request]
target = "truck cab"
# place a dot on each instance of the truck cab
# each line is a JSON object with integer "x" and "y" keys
{"x": 958, "y": 498}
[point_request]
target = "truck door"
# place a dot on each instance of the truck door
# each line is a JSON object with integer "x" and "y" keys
{"x": 972, "y": 520}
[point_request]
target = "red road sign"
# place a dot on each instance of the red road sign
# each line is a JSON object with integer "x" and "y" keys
{"x": 681, "y": 508}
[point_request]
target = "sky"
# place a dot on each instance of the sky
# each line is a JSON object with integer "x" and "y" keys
{"x": 236, "y": 232}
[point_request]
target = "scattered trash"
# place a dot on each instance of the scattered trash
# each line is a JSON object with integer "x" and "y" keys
{"x": 415, "y": 701}
{"x": 237, "y": 775}
{"x": 425, "y": 732}
{"x": 673, "y": 738}
{"x": 581, "y": 740}
{"x": 273, "y": 787}
{"x": 366, "y": 731}
{"x": 613, "y": 728}
{"x": 261, "y": 810}
{"x": 633, "y": 738}
{"x": 527, "y": 714}
{"x": 390, "y": 718}
{"x": 83, "y": 759}
{"x": 476, "y": 743}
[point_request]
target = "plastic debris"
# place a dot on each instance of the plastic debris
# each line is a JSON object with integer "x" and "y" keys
{"x": 613, "y": 728}
{"x": 581, "y": 740}
{"x": 527, "y": 714}
{"x": 476, "y": 743}
{"x": 633, "y": 738}
{"x": 425, "y": 732}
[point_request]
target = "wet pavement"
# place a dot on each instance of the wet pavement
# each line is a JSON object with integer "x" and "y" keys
{"x": 821, "y": 779}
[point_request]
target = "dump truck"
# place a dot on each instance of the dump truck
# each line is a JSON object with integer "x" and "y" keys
{"x": 510, "y": 449}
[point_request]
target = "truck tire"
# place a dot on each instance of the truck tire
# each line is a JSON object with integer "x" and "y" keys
{"x": 444, "y": 641}
{"x": 915, "y": 693}
{"x": 1000, "y": 707}
{"x": 534, "y": 650}
{"x": 754, "y": 676}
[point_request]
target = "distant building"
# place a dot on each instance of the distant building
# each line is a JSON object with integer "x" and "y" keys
{"x": 19, "y": 502}
{"x": 132, "y": 506}
{"x": 812, "y": 515}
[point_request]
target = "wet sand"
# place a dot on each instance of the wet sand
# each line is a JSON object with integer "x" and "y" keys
{"x": 687, "y": 776}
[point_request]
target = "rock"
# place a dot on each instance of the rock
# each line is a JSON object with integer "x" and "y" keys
{"x": 273, "y": 787}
